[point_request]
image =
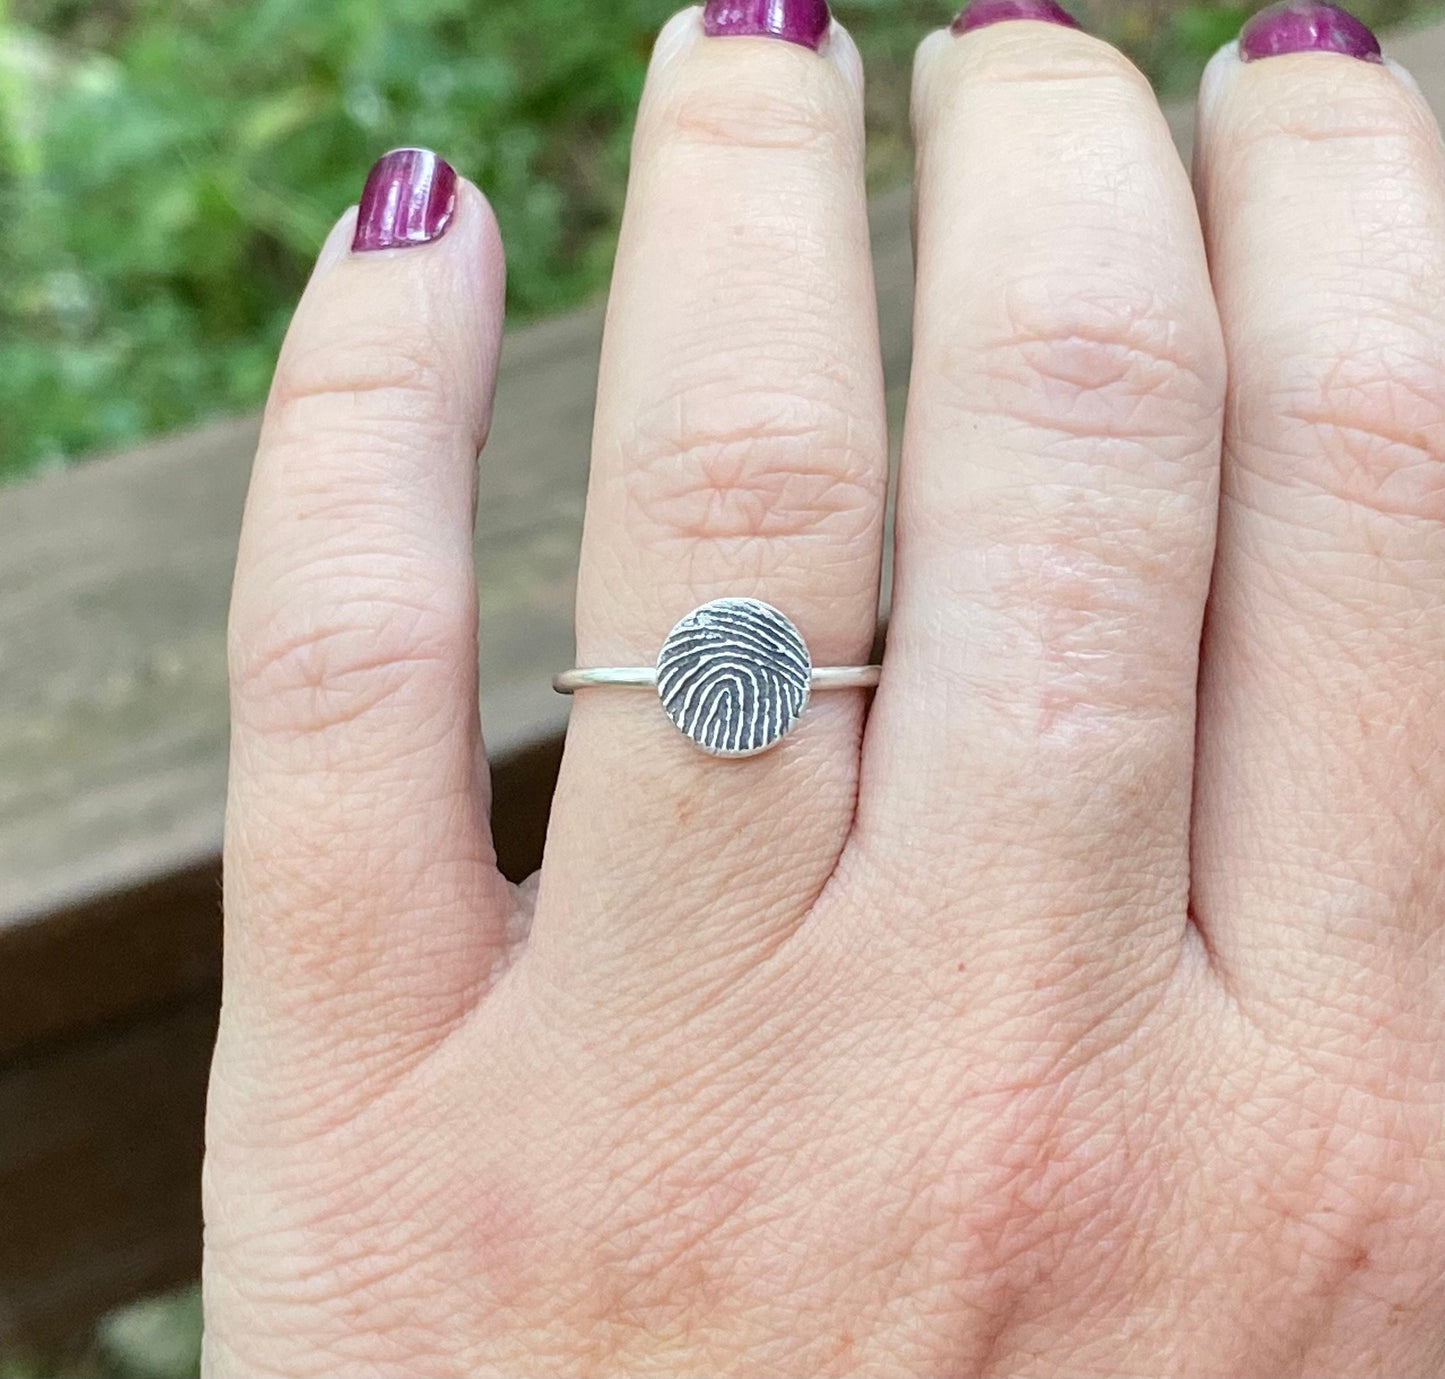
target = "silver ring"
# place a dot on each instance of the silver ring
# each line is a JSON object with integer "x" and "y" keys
{"x": 734, "y": 675}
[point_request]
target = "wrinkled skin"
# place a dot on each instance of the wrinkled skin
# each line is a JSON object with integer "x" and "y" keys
{"x": 1075, "y": 1007}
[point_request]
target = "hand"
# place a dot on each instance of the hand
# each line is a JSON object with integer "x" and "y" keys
{"x": 1076, "y": 1009}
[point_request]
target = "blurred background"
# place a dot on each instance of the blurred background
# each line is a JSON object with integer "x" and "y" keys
{"x": 167, "y": 170}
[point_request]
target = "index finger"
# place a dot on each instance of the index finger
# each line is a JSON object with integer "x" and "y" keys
{"x": 357, "y": 852}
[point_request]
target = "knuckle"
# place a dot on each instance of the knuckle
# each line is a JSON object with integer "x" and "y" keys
{"x": 777, "y": 467}
{"x": 1101, "y": 504}
{"x": 1368, "y": 104}
{"x": 1117, "y": 360}
{"x": 359, "y": 376}
{"x": 999, "y": 63}
{"x": 1116, "y": 376}
{"x": 1366, "y": 426}
{"x": 295, "y": 672}
{"x": 752, "y": 111}
{"x": 1065, "y": 55}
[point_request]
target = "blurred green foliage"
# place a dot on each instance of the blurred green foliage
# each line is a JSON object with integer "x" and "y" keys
{"x": 156, "y": 1338}
{"x": 169, "y": 167}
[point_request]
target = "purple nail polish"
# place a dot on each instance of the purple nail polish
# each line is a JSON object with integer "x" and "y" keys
{"x": 797, "y": 21}
{"x": 984, "y": 12}
{"x": 1306, "y": 26}
{"x": 409, "y": 197}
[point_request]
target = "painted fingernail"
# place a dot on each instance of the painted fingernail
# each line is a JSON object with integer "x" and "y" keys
{"x": 984, "y": 12}
{"x": 797, "y": 21}
{"x": 408, "y": 199}
{"x": 1306, "y": 26}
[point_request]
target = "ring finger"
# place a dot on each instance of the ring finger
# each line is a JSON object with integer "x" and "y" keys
{"x": 739, "y": 449}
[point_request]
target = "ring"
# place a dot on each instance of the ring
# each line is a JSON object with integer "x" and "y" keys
{"x": 734, "y": 675}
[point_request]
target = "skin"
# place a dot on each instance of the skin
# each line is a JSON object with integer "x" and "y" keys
{"x": 1079, "y": 1010}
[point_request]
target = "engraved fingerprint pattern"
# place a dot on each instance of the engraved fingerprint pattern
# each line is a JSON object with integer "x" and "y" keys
{"x": 734, "y": 675}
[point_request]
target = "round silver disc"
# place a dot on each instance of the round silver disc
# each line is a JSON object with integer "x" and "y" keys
{"x": 734, "y": 675}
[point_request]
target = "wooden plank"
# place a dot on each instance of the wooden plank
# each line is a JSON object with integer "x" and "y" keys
{"x": 100, "y": 1154}
{"x": 110, "y": 957}
{"x": 160, "y": 942}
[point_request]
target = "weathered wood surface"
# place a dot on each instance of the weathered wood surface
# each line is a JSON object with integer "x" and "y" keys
{"x": 114, "y": 580}
{"x": 100, "y": 1149}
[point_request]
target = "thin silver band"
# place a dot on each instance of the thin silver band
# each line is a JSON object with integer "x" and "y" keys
{"x": 645, "y": 677}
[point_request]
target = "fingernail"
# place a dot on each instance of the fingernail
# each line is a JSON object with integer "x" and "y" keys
{"x": 984, "y": 12}
{"x": 1306, "y": 26}
{"x": 797, "y": 21}
{"x": 408, "y": 199}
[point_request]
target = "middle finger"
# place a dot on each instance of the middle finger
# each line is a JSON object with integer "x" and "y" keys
{"x": 739, "y": 449}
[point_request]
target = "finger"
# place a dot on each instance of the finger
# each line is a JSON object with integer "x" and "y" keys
{"x": 359, "y": 877}
{"x": 1055, "y": 511}
{"x": 1322, "y": 767}
{"x": 739, "y": 449}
